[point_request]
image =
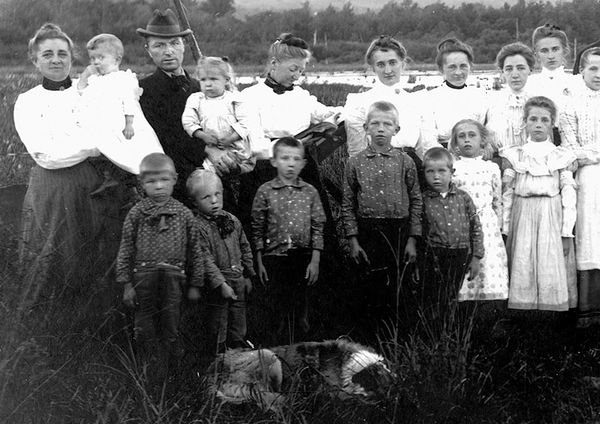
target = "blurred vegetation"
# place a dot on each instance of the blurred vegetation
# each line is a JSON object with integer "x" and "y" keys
{"x": 337, "y": 35}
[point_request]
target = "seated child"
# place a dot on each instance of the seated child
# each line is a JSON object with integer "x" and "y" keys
{"x": 227, "y": 243}
{"x": 110, "y": 107}
{"x": 287, "y": 233}
{"x": 452, "y": 232}
{"x": 160, "y": 249}
{"x": 211, "y": 116}
{"x": 382, "y": 206}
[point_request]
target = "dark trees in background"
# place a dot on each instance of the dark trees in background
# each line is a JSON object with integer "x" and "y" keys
{"x": 341, "y": 34}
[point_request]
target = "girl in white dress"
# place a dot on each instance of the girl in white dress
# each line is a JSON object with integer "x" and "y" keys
{"x": 504, "y": 117}
{"x": 454, "y": 100}
{"x": 539, "y": 215}
{"x": 481, "y": 179}
{"x": 110, "y": 108}
{"x": 210, "y": 115}
{"x": 580, "y": 125}
{"x": 387, "y": 57}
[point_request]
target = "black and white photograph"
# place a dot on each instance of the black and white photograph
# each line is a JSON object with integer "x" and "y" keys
{"x": 299, "y": 212}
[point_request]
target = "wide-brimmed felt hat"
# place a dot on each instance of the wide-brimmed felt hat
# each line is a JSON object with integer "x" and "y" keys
{"x": 163, "y": 24}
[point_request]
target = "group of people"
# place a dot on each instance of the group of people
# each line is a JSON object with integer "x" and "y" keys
{"x": 435, "y": 178}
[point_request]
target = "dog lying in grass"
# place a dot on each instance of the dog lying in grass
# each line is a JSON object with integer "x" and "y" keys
{"x": 262, "y": 376}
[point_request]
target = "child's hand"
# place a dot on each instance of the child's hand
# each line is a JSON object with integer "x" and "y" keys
{"x": 357, "y": 252}
{"x": 566, "y": 245}
{"x": 193, "y": 294}
{"x": 227, "y": 292}
{"x": 210, "y": 138}
{"x": 474, "y": 268}
{"x": 129, "y": 297}
{"x": 128, "y": 131}
{"x": 410, "y": 252}
{"x": 312, "y": 273}
{"x": 262, "y": 274}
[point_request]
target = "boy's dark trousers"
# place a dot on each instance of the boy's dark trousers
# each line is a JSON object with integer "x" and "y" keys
{"x": 384, "y": 241}
{"x": 286, "y": 296}
{"x": 159, "y": 293}
{"x": 443, "y": 273}
{"x": 227, "y": 317}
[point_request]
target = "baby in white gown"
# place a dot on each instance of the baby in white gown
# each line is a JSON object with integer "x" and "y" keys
{"x": 110, "y": 108}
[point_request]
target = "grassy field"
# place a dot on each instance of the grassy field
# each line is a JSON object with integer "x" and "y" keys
{"x": 68, "y": 361}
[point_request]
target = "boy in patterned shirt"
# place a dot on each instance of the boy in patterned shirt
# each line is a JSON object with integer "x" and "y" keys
{"x": 226, "y": 241}
{"x": 381, "y": 210}
{"x": 287, "y": 233}
{"x": 160, "y": 249}
{"x": 452, "y": 232}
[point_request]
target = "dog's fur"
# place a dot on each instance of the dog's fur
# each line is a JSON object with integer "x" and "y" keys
{"x": 262, "y": 375}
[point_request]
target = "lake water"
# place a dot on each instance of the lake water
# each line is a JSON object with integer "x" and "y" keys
{"x": 484, "y": 79}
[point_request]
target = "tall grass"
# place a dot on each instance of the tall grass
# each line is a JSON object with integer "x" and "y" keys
{"x": 72, "y": 362}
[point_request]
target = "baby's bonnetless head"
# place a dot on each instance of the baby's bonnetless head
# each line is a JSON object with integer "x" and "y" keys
{"x": 105, "y": 52}
{"x": 206, "y": 188}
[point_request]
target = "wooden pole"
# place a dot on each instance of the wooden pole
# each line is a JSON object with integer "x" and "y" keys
{"x": 186, "y": 25}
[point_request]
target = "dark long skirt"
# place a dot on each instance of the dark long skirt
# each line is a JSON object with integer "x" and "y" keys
{"x": 588, "y": 303}
{"x": 59, "y": 230}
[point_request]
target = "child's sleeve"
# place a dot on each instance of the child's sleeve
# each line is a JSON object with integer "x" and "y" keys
{"x": 568, "y": 197}
{"x": 317, "y": 221}
{"x": 354, "y": 119}
{"x": 349, "y": 202}
{"x": 126, "y": 255}
{"x": 320, "y": 112}
{"x": 247, "y": 259}
{"x": 475, "y": 231}
{"x": 130, "y": 94}
{"x": 508, "y": 189}
{"x": 210, "y": 272}
{"x": 195, "y": 260}
{"x": 415, "y": 207}
{"x": 190, "y": 119}
{"x": 497, "y": 193}
{"x": 260, "y": 207}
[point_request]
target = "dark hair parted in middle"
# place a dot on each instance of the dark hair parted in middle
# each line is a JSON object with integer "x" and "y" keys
{"x": 385, "y": 43}
{"x": 452, "y": 45}
{"x": 541, "y": 102}
{"x": 514, "y": 49}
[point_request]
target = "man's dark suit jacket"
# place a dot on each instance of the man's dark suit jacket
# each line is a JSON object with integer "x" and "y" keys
{"x": 163, "y": 102}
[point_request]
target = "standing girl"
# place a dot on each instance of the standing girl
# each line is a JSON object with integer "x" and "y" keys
{"x": 539, "y": 215}
{"x": 580, "y": 125}
{"x": 481, "y": 179}
{"x": 110, "y": 107}
{"x": 211, "y": 116}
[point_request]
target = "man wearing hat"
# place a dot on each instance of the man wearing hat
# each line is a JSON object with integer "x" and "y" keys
{"x": 165, "y": 93}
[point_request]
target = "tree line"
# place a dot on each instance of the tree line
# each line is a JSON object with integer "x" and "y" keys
{"x": 338, "y": 35}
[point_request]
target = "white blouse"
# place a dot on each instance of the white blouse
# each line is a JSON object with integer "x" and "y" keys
{"x": 504, "y": 118}
{"x": 411, "y": 133}
{"x": 279, "y": 115}
{"x": 46, "y": 122}
{"x": 580, "y": 126}
{"x": 443, "y": 107}
{"x": 557, "y": 85}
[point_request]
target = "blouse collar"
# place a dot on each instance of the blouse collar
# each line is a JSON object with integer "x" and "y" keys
{"x": 51, "y": 85}
{"x": 557, "y": 73}
{"x": 397, "y": 88}
{"x": 538, "y": 148}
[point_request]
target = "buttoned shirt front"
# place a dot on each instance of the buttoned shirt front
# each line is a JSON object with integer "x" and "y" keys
{"x": 158, "y": 235}
{"x": 452, "y": 222}
{"x": 231, "y": 253}
{"x": 381, "y": 185}
{"x": 287, "y": 216}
